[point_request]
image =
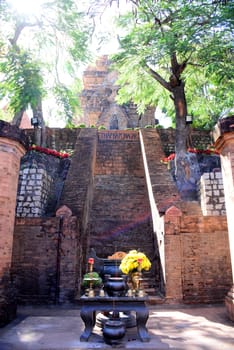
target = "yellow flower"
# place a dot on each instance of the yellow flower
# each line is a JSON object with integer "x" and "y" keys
{"x": 133, "y": 260}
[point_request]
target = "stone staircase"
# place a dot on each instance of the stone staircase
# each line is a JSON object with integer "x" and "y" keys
{"x": 120, "y": 215}
{"x": 106, "y": 188}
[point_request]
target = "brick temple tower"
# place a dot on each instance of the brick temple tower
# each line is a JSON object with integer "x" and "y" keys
{"x": 98, "y": 100}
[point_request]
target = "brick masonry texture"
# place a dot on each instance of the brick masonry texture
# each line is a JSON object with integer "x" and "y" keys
{"x": 38, "y": 277}
{"x": 11, "y": 150}
{"x": 106, "y": 190}
{"x": 98, "y": 100}
{"x": 198, "y": 266}
{"x": 201, "y": 139}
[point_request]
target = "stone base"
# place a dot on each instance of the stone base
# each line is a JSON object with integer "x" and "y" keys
{"x": 229, "y": 302}
{"x": 128, "y": 319}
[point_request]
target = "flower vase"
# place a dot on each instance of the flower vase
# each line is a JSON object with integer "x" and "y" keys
{"x": 135, "y": 278}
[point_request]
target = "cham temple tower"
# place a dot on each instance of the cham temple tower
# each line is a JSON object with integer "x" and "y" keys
{"x": 98, "y": 101}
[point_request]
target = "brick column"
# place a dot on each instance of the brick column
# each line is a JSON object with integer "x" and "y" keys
{"x": 173, "y": 255}
{"x": 225, "y": 144}
{"x": 12, "y": 148}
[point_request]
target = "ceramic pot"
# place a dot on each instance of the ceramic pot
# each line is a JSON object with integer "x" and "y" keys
{"x": 113, "y": 331}
{"x": 116, "y": 286}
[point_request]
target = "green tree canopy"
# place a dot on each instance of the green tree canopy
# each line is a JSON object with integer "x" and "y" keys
{"x": 178, "y": 55}
{"x": 168, "y": 44}
{"x": 22, "y": 81}
{"x": 40, "y": 51}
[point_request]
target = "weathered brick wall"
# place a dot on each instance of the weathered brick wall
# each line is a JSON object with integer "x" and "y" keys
{"x": 40, "y": 274}
{"x": 201, "y": 139}
{"x": 61, "y": 139}
{"x": 198, "y": 266}
{"x": 78, "y": 188}
{"x": 79, "y": 180}
{"x": 11, "y": 150}
{"x": 119, "y": 181}
{"x": 65, "y": 139}
{"x": 106, "y": 189}
{"x": 58, "y": 139}
{"x": 163, "y": 186}
{"x": 10, "y": 153}
{"x": 206, "y": 277}
{"x": 211, "y": 194}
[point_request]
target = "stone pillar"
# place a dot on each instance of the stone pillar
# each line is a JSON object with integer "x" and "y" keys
{"x": 224, "y": 143}
{"x": 12, "y": 148}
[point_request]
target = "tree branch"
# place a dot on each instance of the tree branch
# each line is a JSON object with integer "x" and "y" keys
{"x": 18, "y": 30}
{"x": 177, "y": 68}
{"x": 158, "y": 77}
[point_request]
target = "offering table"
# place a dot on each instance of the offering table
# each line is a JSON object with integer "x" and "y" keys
{"x": 90, "y": 305}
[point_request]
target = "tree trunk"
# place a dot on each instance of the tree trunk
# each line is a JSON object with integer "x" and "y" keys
{"x": 18, "y": 117}
{"x": 187, "y": 171}
{"x": 39, "y": 130}
{"x": 182, "y": 129}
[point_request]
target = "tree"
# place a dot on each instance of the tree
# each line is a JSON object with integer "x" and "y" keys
{"x": 174, "y": 49}
{"x": 39, "y": 51}
{"x": 22, "y": 82}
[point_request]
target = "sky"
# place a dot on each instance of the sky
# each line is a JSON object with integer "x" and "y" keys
{"x": 27, "y": 6}
{"x": 104, "y": 23}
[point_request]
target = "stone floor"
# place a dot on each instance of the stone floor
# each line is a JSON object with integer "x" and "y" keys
{"x": 170, "y": 327}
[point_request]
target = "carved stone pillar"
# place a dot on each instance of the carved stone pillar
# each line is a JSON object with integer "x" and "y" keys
{"x": 224, "y": 143}
{"x": 12, "y": 148}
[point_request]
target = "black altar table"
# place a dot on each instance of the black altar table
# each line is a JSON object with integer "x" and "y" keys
{"x": 90, "y": 305}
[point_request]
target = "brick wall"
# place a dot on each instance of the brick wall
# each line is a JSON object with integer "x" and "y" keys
{"x": 164, "y": 189}
{"x": 55, "y": 138}
{"x": 11, "y": 150}
{"x": 200, "y": 139}
{"x": 106, "y": 189}
{"x": 211, "y": 194}
{"x": 119, "y": 181}
{"x": 78, "y": 188}
{"x": 79, "y": 180}
{"x": 65, "y": 139}
{"x": 10, "y": 153}
{"x": 40, "y": 274}
{"x": 198, "y": 266}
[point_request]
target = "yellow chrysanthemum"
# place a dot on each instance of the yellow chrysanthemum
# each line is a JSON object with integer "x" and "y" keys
{"x": 132, "y": 260}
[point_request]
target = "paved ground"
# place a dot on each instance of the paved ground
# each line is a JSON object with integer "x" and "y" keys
{"x": 170, "y": 327}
